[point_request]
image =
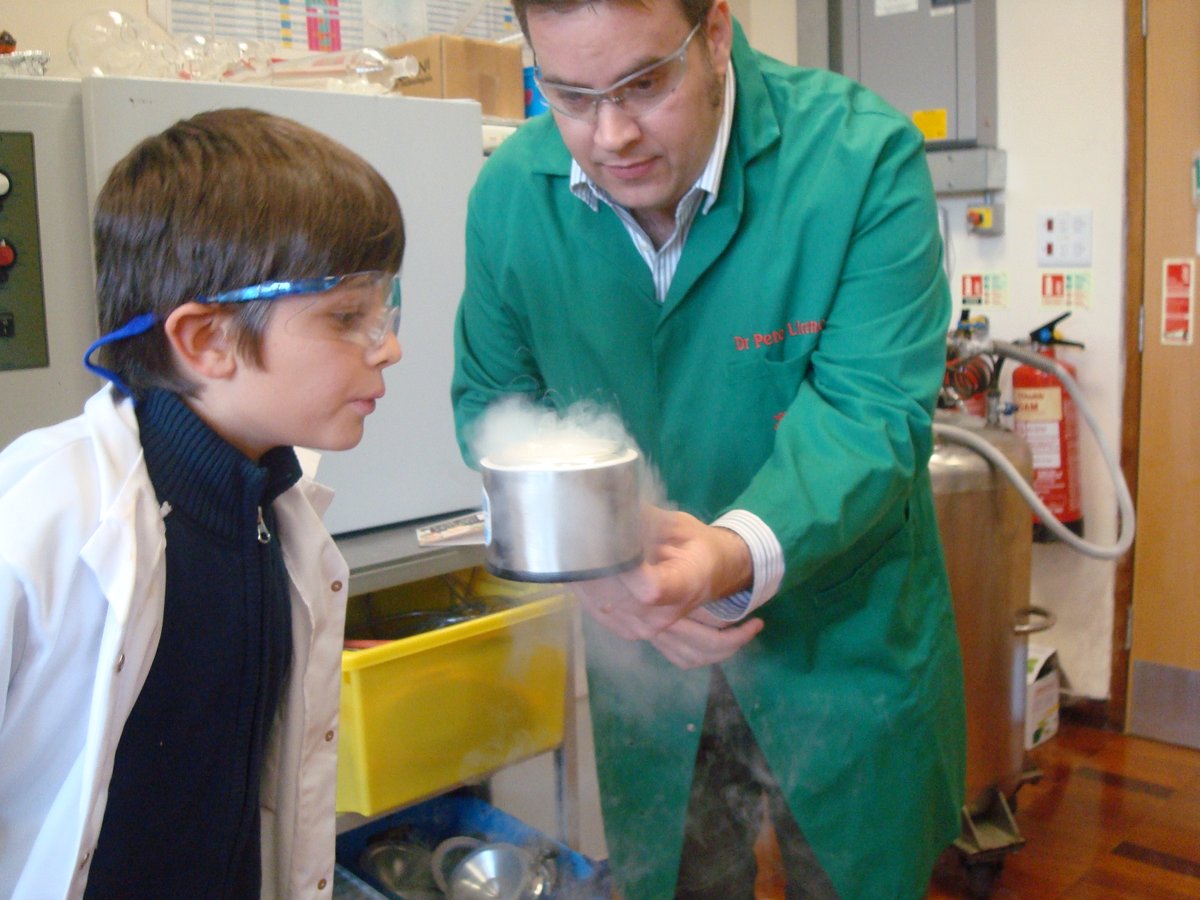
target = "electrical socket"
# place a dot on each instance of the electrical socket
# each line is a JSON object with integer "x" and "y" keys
{"x": 1064, "y": 238}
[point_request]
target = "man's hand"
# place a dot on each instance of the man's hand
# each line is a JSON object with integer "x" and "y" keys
{"x": 690, "y": 644}
{"x": 687, "y": 565}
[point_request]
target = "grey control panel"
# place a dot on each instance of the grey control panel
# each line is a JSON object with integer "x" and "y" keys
{"x": 23, "y": 343}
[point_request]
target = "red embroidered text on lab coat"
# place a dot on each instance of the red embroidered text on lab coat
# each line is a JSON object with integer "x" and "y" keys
{"x": 766, "y": 339}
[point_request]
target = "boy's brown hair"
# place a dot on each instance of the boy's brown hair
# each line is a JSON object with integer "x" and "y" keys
{"x": 226, "y": 199}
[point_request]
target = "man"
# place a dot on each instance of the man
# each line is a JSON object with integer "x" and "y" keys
{"x": 742, "y": 259}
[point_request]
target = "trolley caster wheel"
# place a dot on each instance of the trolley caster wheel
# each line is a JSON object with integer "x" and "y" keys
{"x": 981, "y": 878}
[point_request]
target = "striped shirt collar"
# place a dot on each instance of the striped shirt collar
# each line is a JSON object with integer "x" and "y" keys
{"x": 709, "y": 181}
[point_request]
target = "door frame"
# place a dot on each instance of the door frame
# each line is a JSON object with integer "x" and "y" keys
{"x": 1131, "y": 400}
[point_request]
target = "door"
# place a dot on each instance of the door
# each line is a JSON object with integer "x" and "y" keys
{"x": 1164, "y": 659}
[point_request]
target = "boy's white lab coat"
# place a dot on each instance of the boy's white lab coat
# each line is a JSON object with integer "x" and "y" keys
{"x": 82, "y": 570}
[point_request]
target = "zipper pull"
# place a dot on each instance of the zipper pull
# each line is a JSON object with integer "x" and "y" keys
{"x": 264, "y": 533}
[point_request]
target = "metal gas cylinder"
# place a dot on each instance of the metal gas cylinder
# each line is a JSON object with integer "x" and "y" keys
{"x": 984, "y": 525}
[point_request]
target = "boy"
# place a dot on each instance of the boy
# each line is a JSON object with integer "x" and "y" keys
{"x": 171, "y": 607}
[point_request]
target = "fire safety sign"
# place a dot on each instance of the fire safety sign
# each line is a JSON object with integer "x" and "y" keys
{"x": 1069, "y": 289}
{"x": 1179, "y": 301}
{"x": 985, "y": 289}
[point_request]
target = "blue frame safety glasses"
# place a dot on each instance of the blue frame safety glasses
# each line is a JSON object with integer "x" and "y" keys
{"x": 362, "y": 319}
{"x": 357, "y": 315}
{"x": 635, "y": 94}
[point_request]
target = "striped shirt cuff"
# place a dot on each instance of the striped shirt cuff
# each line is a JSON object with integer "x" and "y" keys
{"x": 766, "y": 556}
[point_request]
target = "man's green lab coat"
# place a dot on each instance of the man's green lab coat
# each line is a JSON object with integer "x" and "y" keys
{"x": 791, "y": 371}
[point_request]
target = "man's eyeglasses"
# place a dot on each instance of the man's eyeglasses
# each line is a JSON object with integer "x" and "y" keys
{"x": 357, "y": 315}
{"x": 635, "y": 94}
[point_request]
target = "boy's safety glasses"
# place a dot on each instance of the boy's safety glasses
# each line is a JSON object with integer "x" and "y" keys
{"x": 635, "y": 94}
{"x": 362, "y": 308}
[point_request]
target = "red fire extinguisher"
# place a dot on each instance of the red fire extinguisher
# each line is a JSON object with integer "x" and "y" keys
{"x": 1045, "y": 416}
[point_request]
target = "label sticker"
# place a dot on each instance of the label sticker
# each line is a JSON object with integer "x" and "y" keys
{"x": 1069, "y": 290}
{"x": 933, "y": 123}
{"x": 1038, "y": 404}
{"x": 1044, "y": 444}
{"x": 1179, "y": 302}
{"x": 892, "y": 7}
{"x": 985, "y": 289}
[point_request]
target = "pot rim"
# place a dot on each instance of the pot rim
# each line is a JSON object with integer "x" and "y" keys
{"x": 615, "y": 455}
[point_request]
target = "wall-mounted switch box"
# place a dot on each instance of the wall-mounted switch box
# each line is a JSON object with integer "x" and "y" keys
{"x": 1064, "y": 238}
{"x": 934, "y": 60}
{"x": 986, "y": 219}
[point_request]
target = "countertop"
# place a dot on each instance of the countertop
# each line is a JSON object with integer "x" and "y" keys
{"x": 388, "y": 556}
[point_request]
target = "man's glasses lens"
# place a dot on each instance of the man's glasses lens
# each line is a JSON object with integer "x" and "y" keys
{"x": 636, "y": 94}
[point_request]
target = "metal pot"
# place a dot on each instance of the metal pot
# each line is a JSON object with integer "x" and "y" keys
{"x": 561, "y": 510}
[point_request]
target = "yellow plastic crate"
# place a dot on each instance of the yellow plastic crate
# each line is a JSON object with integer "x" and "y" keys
{"x": 427, "y": 713}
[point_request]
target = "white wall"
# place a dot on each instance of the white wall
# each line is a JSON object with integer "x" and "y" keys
{"x": 1061, "y": 98}
{"x": 770, "y": 25}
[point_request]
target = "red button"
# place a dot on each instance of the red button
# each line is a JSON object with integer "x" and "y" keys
{"x": 7, "y": 254}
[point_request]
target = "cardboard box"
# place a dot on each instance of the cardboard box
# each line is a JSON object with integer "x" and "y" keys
{"x": 1043, "y": 682}
{"x": 452, "y": 66}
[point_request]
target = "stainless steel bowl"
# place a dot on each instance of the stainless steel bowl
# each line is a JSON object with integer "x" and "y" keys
{"x": 501, "y": 871}
{"x": 562, "y": 510}
{"x": 402, "y": 868}
{"x": 492, "y": 872}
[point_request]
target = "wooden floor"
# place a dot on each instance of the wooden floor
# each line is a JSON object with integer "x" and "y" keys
{"x": 1113, "y": 818}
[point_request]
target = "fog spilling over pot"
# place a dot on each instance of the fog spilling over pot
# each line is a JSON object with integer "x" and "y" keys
{"x": 562, "y": 507}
